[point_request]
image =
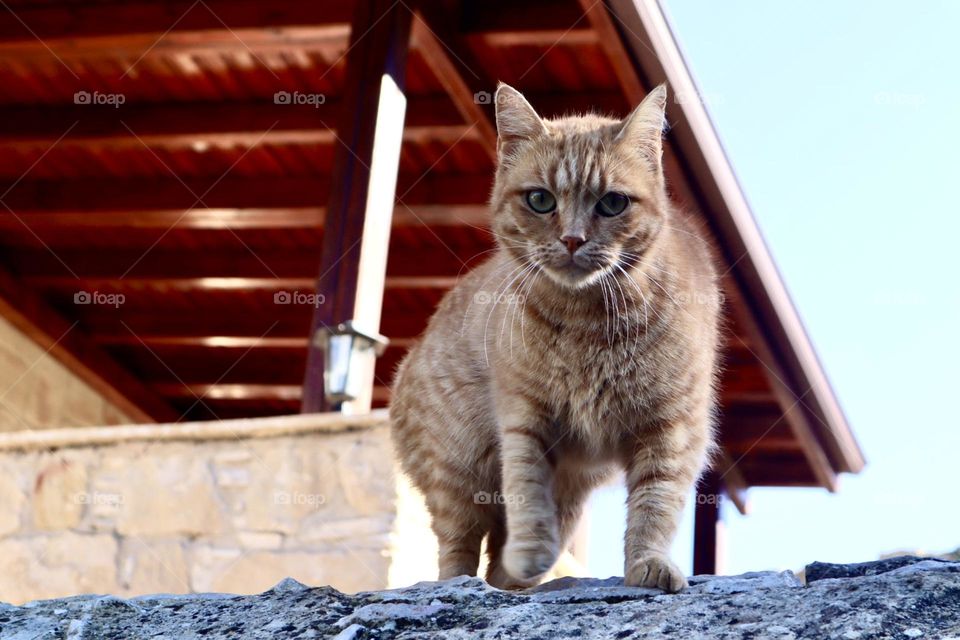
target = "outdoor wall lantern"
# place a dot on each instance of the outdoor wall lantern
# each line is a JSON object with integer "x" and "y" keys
{"x": 349, "y": 359}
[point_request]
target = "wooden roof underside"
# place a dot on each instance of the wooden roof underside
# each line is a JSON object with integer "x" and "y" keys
{"x": 199, "y": 198}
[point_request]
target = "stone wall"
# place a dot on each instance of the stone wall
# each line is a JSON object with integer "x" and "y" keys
{"x": 904, "y": 598}
{"x": 37, "y": 392}
{"x": 233, "y": 514}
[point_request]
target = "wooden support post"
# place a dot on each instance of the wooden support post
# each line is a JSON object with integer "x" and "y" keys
{"x": 364, "y": 179}
{"x": 706, "y": 524}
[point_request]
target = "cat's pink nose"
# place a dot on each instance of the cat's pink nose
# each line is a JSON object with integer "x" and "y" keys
{"x": 573, "y": 243}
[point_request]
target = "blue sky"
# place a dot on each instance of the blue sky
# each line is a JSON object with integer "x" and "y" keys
{"x": 842, "y": 122}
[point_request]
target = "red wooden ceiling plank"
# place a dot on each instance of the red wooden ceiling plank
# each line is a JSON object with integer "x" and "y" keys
{"x": 131, "y": 30}
{"x": 446, "y": 66}
{"x": 185, "y": 124}
{"x": 242, "y": 218}
{"x": 227, "y": 192}
{"x": 167, "y": 264}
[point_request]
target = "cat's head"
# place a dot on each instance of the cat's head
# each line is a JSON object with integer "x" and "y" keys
{"x": 578, "y": 195}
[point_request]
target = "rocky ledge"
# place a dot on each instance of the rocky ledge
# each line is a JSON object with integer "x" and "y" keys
{"x": 898, "y": 598}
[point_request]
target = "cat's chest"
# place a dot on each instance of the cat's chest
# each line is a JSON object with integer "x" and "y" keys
{"x": 592, "y": 375}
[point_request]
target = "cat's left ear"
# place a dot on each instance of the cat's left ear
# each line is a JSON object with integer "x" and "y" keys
{"x": 517, "y": 121}
{"x": 643, "y": 129}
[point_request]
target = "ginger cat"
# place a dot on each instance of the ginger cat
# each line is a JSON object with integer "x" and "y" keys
{"x": 586, "y": 343}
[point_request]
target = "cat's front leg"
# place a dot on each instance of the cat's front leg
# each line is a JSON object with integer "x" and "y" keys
{"x": 533, "y": 539}
{"x": 660, "y": 471}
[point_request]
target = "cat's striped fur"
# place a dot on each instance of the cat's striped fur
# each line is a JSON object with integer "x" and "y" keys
{"x": 544, "y": 371}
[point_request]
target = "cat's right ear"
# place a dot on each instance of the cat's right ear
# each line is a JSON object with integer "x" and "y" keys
{"x": 643, "y": 129}
{"x": 517, "y": 122}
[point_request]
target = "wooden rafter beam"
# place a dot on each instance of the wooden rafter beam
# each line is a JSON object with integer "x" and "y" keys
{"x": 235, "y": 392}
{"x": 282, "y": 321}
{"x": 160, "y": 264}
{"x": 608, "y": 36}
{"x": 240, "y": 392}
{"x": 242, "y": 218}
{"x": 325, "y": 41}
{"x": 788, "y": 469}
{"x": 511, "y": 17}
{"x": 273, "y": 343}
{"x": 440, "y": 28}
{"x": 229, "y": 283}
{"x": 275, "y": 359}
{"x": 229, "y": 192}
{"x": 82, "y": 31}
{"x": 78, "y": 20}
{"x": 67, "y": 343}
{"x": 186, "y": 125}
{"x": 246, "y": 124}
{"x": 733, "y": 481}
{"x": 202, "y": 141}
{"x": 446, "y": 67}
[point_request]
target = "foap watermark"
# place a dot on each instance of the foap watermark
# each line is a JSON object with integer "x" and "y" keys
{"x": 697, "y": 298}
{"x": 900, "y": 99}
{"x": 710, "y": 498}
{"x": 299, "y": 298}
{"x": 95, "y": 297}
{"x": 487, "y": 297}
{"x": 895, "y": 298}
{"x": 484, "y": 497}
{"x": 295, "y": 498}
{"x": 483, "y": 97}
{"x": 298, "y": 97}
{"x": 692, "y": 97}
{"x": 486, "y": 97}
{"x": 98, "y": 498}
{"x": 97, "y": 98}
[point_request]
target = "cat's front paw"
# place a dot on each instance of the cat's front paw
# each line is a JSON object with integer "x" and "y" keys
{"x": 655, "y": 570}
{"x": 525, "y": 559}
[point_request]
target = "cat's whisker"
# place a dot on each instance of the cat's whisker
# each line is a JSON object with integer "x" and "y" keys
{"x": 626, "y": 309}
{"x": 499, "y": 235}
{"x": 525, "y": 288}
{"x": 466, "y": 311}
{"x": 606, "y": 311}
{"x": 688, "y": 233}
{"x": 523, "y": 312}
{"x": 474, "y": 257}
{"x": 481, "y": 291}
{"x": 657, "y": 314}
{"x": 639, "y": 260}
{"x": 616, "y": 311}
{"x": 511, "y": 301}
{"x": 494, "y": 301}
{"x": 643, "y": 299}
{"x": 520, "y": 301}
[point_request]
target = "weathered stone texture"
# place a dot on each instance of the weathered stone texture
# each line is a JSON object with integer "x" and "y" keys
{"x": 914, "y": 599}
{"x": 180, "y": 517}
{"x": 60, "y": 491}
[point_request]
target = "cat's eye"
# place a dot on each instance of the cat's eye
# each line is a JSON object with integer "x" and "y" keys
{"x": 541, "y": 200}
{"x": 612, "y": 204}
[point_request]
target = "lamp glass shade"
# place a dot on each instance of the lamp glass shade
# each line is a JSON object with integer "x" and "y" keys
{"x": 339, "y": 382}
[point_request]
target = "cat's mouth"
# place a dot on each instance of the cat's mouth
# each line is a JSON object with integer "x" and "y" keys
{"x": 574, "y": 271}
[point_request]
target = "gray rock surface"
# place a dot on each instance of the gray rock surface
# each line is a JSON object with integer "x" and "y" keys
{"x": 905, "y": 598}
